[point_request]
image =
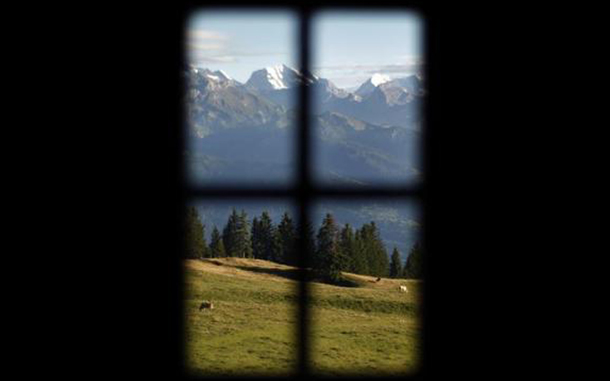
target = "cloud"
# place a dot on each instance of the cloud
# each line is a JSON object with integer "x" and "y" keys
{"x": 205, "y": 59}
{"x": 257, "y": 54}
{"x": 395, "y": 69}
{"x": 201, "y": 40}
{"x": 209, "y": 46}
{"x": 351, "y": 74}
{"x": 414, "y": 64}
{"x": 204, "y": 46}
{"x": 205, "y": 34}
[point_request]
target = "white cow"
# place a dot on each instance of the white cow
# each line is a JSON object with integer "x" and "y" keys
{"x": 403, "y": 289}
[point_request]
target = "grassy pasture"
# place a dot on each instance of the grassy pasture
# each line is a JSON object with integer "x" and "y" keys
{"x": 252, "y": 328}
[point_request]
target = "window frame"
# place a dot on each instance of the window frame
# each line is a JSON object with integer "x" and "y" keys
{"x": 304, "y": 193}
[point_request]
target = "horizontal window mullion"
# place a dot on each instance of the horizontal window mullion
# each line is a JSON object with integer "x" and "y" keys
{"x": 229, "y": 192}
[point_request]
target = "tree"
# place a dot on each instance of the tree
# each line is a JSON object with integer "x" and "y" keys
{"x": 243, "y": 242}
{"x": 347, "y": 244}
{"x": 359, "y": 258}
{"x": 413, "y": 265}
{"x": 381, "y": 255}
{"x": 373, "y": 250}
{"x": 258, "y": 246}
{"x": 264, "y": 237}
{"x": 194, "y": 230}
{"x": 287, "y": 237}
{"x": 217, "y": 247}
{"x": 395, "y": 266}
{"x": 230, "y": 234}
{"x": 275, "y": 246}
{"x": 236, "y": 235}
{"x": 328, "y": 256}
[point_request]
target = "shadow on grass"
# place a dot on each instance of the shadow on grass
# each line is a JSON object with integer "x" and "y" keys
{"x": 292, "y": 274}
{"x": 341, "y": 282}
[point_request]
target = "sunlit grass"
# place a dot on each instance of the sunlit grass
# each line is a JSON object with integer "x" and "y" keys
{"x": 252, "y": 328}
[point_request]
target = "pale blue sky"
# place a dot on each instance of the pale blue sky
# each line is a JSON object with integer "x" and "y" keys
{"x": 347, "y": 47}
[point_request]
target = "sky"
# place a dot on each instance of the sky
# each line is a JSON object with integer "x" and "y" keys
{"x": 348, "y": 48}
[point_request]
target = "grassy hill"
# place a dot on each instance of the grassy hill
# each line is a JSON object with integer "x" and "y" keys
{"x": 372, "y": 328}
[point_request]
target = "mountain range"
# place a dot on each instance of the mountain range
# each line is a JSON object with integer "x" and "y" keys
{"x": 245, "y": 132}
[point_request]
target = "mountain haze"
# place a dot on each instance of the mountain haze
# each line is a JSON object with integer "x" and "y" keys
{"x": 245, "y": 132}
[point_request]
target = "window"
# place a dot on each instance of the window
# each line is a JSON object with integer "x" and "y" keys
{"x": 295, "y": 143}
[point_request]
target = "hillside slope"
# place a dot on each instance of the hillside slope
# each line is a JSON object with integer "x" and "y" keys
{"x": 372, "y": 328}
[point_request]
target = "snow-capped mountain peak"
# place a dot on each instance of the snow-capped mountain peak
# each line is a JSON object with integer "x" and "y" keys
{"x": 222, "y": 74}
{"x": 278, "y": 77}
{"x": 275, "y": 76}
{"x": 377, "y": 79}
{"x": 218, "y": 75}
{"x": 371, "y": 84}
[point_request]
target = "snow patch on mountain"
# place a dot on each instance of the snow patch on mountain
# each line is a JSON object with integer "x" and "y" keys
{"x": 371, "y": 84}
{"x": 275, "y": 76}
{"x": 223, "y": 74}
{"x": 377, "y": 79}
{"x": 218, "y": 75}
{"x": 279, "y": 77}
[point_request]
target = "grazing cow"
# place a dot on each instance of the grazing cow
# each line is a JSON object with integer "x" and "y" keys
{"x": 205, "y": 305}
{"x": 403, "y": 289}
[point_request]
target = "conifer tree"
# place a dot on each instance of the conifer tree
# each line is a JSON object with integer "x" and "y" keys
{"x": 328, "y": 250}
{"x": 206, "y": 250}
{"x": 382, "y": 263}
{"x": 194, "y": 230}
{"x": 395, "y": 266}
{"x": 275, "y": 246}
{"x": 359, "y": 258}
{"x": 243, "y": 242}
{"x": 267, "y": 236}
{"x": 374, "y": 251}
{"x": 287, "y": 236}
{"x": 217, "y": 247}
{"x": 263, "y": 238}
{"x": 413, "y": 265}
{"x": 367, "y": 242}
{"x": 347, "y": 245}
{"x": 230, "y": 234}
{"x": 258, "y": 245}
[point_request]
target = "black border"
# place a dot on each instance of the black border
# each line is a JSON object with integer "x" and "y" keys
{"x": 98, "y": 161}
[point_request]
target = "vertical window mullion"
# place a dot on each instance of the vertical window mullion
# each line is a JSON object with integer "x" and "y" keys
{"x": 303, "y": 193}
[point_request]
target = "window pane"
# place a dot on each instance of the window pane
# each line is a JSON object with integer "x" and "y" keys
{"x": 363, "y": 323}
{"x": 248, "y": 278}
{"x": 240, "y": 98}
{"x": 367, "y": 121}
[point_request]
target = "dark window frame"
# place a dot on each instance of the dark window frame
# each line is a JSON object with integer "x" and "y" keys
{"x": 304, "y": 192}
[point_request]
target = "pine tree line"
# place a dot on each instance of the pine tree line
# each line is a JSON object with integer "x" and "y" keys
{"x": 361, "y": 251}
{"x": 334, "y": 249}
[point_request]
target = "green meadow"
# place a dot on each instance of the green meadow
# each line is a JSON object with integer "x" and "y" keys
{"x": 368, "y": 329}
